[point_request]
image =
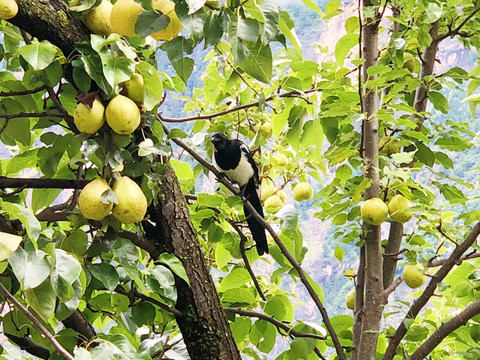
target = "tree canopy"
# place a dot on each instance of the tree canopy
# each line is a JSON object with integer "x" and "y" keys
{"x": 115, "y": 241}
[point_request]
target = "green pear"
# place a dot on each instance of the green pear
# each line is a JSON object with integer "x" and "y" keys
{"x": 396, "y": 209}
{"x": 374, "y": 211}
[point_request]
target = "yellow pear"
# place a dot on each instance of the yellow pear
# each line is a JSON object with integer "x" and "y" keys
{"x": 303, "y": 191}
{"x": 132, "y": 203}
{"x": 409, "y": 61}
{"x": 124, "y": 17}
{"x": 89, "y": 120}
{"x": 174, "y": 26}
{"x": 396, "y": 209}
{"x": 280, "y": 159}
{"x": 135, "y": 88}
{"x": 8, "y": 9}
{"x": 282, "y": 195}
{"x": 374, "y": 211}
{"x": 122, "y": 115}
{"x": 90, "y": 200}
{"x": 267, "y": 191}
{"x": 413, "y": 276}
{"x": 273, "y": 204}
{"x": 97, "y": 19}
{"x": 350, "y": 301}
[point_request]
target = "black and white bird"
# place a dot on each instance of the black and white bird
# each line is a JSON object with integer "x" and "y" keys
{"x": 233, "y": 158}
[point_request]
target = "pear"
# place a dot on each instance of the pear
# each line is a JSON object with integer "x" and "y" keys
{"x": 273, "y": 204}
{"x": 267, "y": 191}
{"x": 132, "y": 203}
{"x": 122, "y": 115}
{"x": 90, "y": 200}
{"x": 124, "y": 17}
{"x": 280, "y": 160}
{"x": 174, "y": 26}
{"x": 89, "y": 120}
{"x": 374, "y": 211}
{"x": 303, "y": 191}
{"x": 350, "y": 301}
{"x": 135, "y": 87}
{"x": 97, "y": 19}
{"x": 396, "y": 209}
{"x": 282, "y": 195}
{"x": 413, "y": 276}
{"x": 8, "y": 9}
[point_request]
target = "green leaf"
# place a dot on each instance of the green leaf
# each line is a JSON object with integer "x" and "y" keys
{"x": 235, "y": 279}
{"x": 259, "y": 63}
{"x": 313, "y": 7}
{"x": 152, "y": 84}
{"x": 212, "y": 29}
{"x": 163, "y": 282}
{"x": 433, "y": 12}
{"x": 67, "y": 268}
{"x": 343, "y": 47}
{"x": 42, "y": 299}
{"x": 222, "y": 256}
{"x": 182, "y": 169}
{"x": 30, "y": 268}
{"x": 238, "y": 296}
{"x": 149, "y": 22}
{"x": 280, "y": 307}
{"x": 106, "y": 274}
{"x": 39, "y": 54}
{"x": 339, "y": 253}
{"x": 182, "y": 65}
{"x": 439, "y": 101}
{"x": 174, "y": 264}
{"x": 239, "y": 49}
{"x": 424, "y": 154}
{"x": 263, "y": 335}
{"x": 8, "y": 244}
{"x": 24, "y": 160}
{"x": 28, "y": 220}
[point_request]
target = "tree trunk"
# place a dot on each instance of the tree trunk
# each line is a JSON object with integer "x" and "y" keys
{"x": 373, "y": 308}
{"x": 203, "y": 323}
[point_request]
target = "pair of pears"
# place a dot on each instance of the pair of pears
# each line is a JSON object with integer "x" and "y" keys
{"x": 131, "y": 207}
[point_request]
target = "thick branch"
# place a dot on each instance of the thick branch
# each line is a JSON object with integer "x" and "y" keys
{"x": 372, "y": 308}
{"x": 79, "y": 323}
{"x": 26, "y": 343}
{"x": 436, "y": 263}
{"x": 419, "y": 303}
{"x": 393, "y": 246}
{"x": 6, "y": 182}
{"x": 445, "y": 329}
{"x": 281, "y": 245}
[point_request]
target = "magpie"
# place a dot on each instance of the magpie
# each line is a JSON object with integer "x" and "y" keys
{"x": 233, "y": 158}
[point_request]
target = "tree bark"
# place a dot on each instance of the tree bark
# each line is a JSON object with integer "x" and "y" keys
{"x": 202, "y": 322}
{"x": 373, "y": 308}
{"x": 51, "y": 20}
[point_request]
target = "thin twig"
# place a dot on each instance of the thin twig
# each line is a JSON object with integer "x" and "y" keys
{"x": 36, "y": 323}
{"x": 279, "y": 324}
{"x": 294, "y": 93}
{"x": 23, "y": 92}
{"x": 243, "y": 240}
{"x": 144, "y": 297}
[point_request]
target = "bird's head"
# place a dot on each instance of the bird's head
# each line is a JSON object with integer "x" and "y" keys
{"x": 218, "y": 139}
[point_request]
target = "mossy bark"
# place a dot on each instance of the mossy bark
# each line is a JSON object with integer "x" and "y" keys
{"x": 51, "y": 20}
{"x": 203, "y": 323}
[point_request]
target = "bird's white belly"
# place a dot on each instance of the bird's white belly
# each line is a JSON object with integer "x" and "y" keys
{"x": 242, "y": 173}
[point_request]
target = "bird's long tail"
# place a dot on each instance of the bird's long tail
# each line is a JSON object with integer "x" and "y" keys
{"x": 257, "y": 230}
